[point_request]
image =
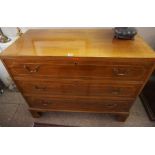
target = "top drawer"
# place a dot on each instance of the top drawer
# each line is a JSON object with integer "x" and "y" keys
{"x": 78, "y": 68}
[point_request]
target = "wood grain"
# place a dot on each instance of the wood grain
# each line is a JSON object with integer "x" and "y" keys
{"x": 78, "y": 88}
{"x": 79, "y": 104}
{"x": 84, "y": 42}
{"x": 79, "y": 70}
{"x": 80, "y": 67}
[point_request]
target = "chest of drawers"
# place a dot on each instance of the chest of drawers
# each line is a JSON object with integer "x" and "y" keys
{"x": 79, "y": 70}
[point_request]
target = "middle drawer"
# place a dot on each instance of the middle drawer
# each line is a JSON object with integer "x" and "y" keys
{"x": 78, "y": 88}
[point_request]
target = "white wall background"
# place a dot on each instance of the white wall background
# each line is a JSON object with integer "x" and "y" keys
{"x": 148, "y": 33}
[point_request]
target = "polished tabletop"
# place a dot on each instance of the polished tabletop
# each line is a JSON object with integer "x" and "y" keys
{"x": 72, "y": 42}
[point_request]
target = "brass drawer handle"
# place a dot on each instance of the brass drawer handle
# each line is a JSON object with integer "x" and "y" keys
{"x": 39, "y": 88}
{"x": 34, "y": 70}
{"x": 119, "y": 72}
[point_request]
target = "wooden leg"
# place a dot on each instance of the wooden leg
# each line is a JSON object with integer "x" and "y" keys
{"x": 35, "y": 114}
{"x": 122, "y": 117}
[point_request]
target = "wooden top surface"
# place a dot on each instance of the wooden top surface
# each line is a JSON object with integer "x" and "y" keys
{"x": 94, "y": 42}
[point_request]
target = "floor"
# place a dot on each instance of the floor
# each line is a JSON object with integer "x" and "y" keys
{"x": 14, "y": 113}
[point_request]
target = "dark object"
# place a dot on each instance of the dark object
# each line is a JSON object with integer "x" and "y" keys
{"x": 48, "y": 125}
{"x": 19, "y": 32}
{"x": 1, "y": 87}
{"x": 125, "y": 33}
{"x": 148, "y": 97}
{"x": 3, "y": 38}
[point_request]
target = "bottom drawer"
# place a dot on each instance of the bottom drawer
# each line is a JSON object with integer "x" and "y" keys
{"x": 79, "y": 104}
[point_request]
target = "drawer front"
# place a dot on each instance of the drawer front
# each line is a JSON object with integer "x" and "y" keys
{"x": 79, "y": 104}
{"x": 78, "y": 88}
{"x": 79, "y": 69}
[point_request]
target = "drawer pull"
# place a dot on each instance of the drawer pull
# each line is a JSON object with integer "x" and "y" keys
{"x": 39, "y": 88}
{"x": 34, "y": 70}
{"x": 120, "y": 72}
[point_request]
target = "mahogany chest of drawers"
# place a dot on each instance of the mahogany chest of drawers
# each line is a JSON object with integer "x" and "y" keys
{"x": 79, "y": 70}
